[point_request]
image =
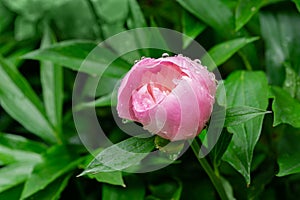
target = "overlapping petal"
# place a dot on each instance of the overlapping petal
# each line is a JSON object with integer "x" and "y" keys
{"x": 172, "y": 97}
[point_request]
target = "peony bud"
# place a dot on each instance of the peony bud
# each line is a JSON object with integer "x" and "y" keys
{"x": 172, "y": 97}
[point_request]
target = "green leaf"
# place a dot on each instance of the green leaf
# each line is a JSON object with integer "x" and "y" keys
{"x": 6, "y": 17}
{"x": 220, "y": 17}
{"x": 137, "y": 18}
{"x": 19, "y": 100}
{"x": 261, "y": 181}
{"x": 166, "y": 189}
{"x": 18, "y": 149}
{"x": 222, "y": 52}
{"x": 245, "y": 89}
{"x": 191, "y": 27}
{"x": 289, "y": 152}
{"x": 32, "y": 10}
{"x": 154, "y": 38}
{"x": 12, "y": 193}
{"x": 67, "y": 21}
{"x": 291, "y": 83}
{"x": 247, "y": 8}
{"x": 73, "y": 53}
{"x": 52, "y": 84}
{"x": 14, "y": 174}
{"x": 105, "y": 86}
{"x": 24, "y": 29}
{"x": 228, "y": 188}
{"x": 297, "y": 2}
{"x": 53, "y": 190}
{"x": 18, "y": 142}
{"x": 111, "y": 10}
{"x": 14, "y": 57}
{"x": 100, "y": 102}
{"x": 241, "y": 114}
{"x": 220, "y": 148}
{"x": 135, "y": 190}
{"x": 121, "y": 155}
{"x": 285, "y": 108}
{"x": 214, "y": 13}
{"x": 113, "y": 178}
{"x": 57, "y": 161}
{"x": 281, "y": 33}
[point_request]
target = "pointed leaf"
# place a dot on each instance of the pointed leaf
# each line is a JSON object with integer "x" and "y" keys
{"x": 53, "y": 190}
{"x": 297, "y": 2}
{"x": 52, "y": 84}
{"x": 72, "y": 54}
{"x": 245, "y": 89}
{"x": 18, "y": 142}
{"x": 21, "y": 102}
{"x": 241, "y": 114}
{"x": 214, "y": 13}
{"x": 137, "y": 19}
{"x": 56, "y": 162}
{"x": 289, "y": 152}
{"x": 192, "y": 27}
{"x": 222, "y": 52}
{"x": 220, "y": 17}
{"x": 14, "y": 174}
{"x": 121, "y": 155}
{"x": 247, "y": 8}
{"x": 286, "y": 109}
{"x": 18, "y": 149}
{"x": 113, "y": 178}
{"x": 281, "y": 34}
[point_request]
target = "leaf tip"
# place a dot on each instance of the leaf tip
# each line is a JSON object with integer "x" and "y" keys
{"x": 81, "y": 174}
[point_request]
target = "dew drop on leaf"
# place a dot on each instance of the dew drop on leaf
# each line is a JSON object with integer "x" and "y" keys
{"x": 164, "y": 55}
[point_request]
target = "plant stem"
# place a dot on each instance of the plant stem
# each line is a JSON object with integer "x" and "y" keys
{"x": 246, "y": 61}
{"x": 216, "y": 181}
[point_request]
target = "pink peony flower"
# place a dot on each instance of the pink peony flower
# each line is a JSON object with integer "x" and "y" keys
{"x": 172, "y": 97}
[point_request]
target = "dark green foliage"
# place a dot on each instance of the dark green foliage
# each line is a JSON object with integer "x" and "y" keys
{"x": 254, "y": 44}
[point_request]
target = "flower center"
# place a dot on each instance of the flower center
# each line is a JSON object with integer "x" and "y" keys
{"x": 148, "y": 96}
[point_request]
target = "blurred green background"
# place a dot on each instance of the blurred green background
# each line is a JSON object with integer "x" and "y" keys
{"x": 254, "y": 43}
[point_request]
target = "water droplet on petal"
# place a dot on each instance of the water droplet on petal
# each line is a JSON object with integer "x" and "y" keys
{"x": 143, "y": 57}
{"x": 136, "y": 61}
{"x": 197, "y": 61}
{"x": 179, "y": 55}
{"x": 212, "y": 76}
{"x": 125, "y": 121}
{"x": 164, "y": 55}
